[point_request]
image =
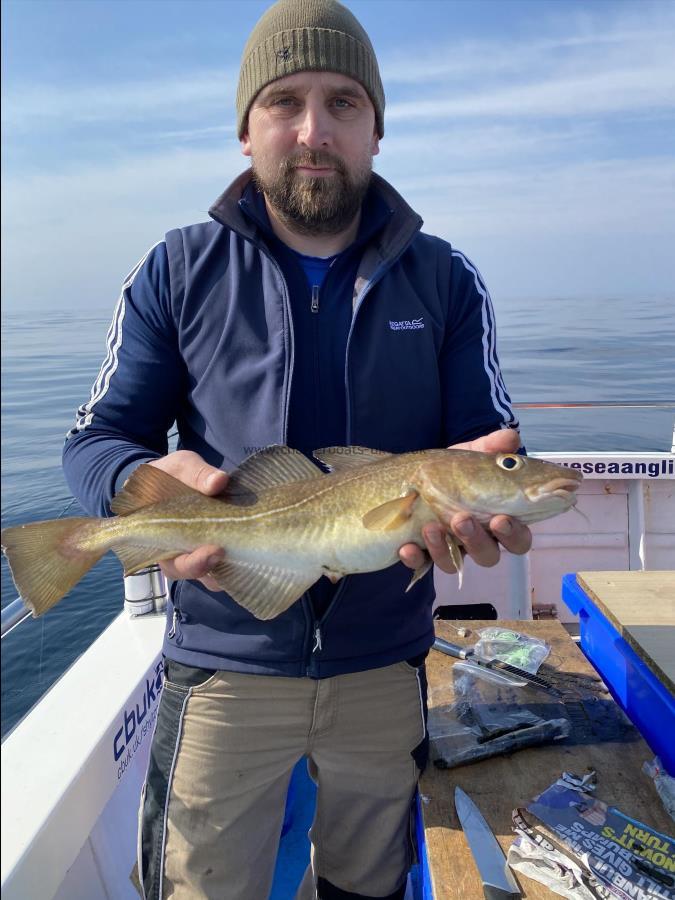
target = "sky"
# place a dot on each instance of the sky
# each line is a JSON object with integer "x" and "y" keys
{"x": 537, "y": 136}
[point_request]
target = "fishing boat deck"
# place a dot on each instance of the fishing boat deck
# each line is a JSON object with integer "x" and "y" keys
{"x": 500, "y": 784}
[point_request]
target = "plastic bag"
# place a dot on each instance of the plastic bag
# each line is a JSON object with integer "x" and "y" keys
{"x": 481, "y": 713}
{"x": 556, "y": 871}
{"x": 511, "y": 647}
{"x": 664, "y": 784}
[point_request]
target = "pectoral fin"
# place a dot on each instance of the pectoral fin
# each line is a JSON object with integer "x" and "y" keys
{"x": 147, "y": 485}
{"x": 390, "y": 515}
{"x": 265, "y": 591}
{"x": 420, "y": 571}
{"x": 456, "y": 557}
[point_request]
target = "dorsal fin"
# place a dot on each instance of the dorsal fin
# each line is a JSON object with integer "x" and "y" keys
{"x": 339, "y": 459}
{"x": 270, "y": 467}
{"x": 148, "y": 484}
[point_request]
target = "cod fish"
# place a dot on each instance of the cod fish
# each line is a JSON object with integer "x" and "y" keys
{"x": 284, "y": 522}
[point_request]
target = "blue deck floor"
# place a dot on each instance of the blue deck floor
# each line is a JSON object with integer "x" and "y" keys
{"x": 293, "y": 856}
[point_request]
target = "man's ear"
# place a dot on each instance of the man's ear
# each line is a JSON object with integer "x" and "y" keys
{"x": 375, "y": 145}
{"x": 245, "y": 143}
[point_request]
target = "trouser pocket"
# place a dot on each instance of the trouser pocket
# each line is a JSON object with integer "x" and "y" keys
{"x": 155, "y": 798}
{"x": 183, "y": 676}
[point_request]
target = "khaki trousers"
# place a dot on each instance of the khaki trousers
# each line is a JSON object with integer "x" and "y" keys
{"x": 222, "y": 756}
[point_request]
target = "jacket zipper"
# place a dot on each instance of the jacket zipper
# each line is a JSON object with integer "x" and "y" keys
{"x": 174, "y": 623}
{"x": 316, "y": 387}
{"x": 318, "y": 626}
{"x": 317, "y": 638}
{"x": 289, "y": 319}
{"x": 306, "y": 602}
{"x": 176, "y": 618}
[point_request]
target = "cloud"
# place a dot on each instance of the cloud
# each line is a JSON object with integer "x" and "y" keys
{"x": 573, "y": 41}
{"x": 602, "y": 197}
{"x": 583, "y": 222}
{"x": 69, "y": 238}
{"x": 592, "y": 229}
{"x": 636, "y": 89}
{"x": 467, "y": 144}
{"x": 550, "y": 148}
{"x": 576, "y": 64}
{"x": 118, "y": 101}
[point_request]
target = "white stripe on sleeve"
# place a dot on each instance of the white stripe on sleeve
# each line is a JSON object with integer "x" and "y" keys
{"x": 498, "y": 393}
{"x": 85, "y": 415}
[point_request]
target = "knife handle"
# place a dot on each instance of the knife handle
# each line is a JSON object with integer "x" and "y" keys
{"x": 496, "y": 893}
{"x": 452, "y": 649}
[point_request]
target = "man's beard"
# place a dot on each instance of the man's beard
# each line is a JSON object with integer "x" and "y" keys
{"x": 326, "y": 204}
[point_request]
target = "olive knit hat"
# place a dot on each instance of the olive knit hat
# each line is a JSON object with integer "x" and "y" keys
{"x": 300, "y": 35}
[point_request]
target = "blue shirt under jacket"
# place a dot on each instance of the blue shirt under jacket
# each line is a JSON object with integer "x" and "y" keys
{"x": 214, "y": 331}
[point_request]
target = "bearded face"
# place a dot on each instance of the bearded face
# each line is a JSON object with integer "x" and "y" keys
{"x": 322, "y": 204}
{"x": 311, "y": 138}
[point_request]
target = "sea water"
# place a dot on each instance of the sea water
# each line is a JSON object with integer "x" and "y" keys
{"x": 552, "y": 350}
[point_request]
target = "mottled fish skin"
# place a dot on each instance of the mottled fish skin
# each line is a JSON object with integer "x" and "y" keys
{"x": 280, "y": 539}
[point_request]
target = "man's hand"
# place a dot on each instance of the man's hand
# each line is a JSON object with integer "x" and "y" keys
{"x": 479, "y": 543}
{"x": 191, "y": 469}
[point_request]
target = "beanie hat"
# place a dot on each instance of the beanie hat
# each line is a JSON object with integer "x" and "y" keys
{"x": 301, "y": 35}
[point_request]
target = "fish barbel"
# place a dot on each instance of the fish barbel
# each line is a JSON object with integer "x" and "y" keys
{"x": 284, "y": 523}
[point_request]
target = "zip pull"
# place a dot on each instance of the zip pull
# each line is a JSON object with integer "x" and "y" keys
{"x": 317, "y": 639}
{"x": 174, "y": 622}
{"x": 315, "y": 298}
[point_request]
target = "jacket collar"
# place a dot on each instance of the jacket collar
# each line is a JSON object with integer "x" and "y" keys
{"x": 391, "y": 240}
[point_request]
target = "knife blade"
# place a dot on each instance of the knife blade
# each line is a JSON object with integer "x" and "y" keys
{"x": 498, "y": 882}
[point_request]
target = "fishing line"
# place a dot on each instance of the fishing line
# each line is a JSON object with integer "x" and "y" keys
{"x": 583, "y": 515}
{"x": 42, "y": 645}
{"x": 67, "y": 507}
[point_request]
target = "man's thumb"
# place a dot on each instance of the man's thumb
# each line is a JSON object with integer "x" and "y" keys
{"x": 210, "y": 480}
{"x": 189, "y": 467}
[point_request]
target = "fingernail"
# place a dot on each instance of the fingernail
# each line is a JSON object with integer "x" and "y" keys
{"x": 214, "y": 560}
{"x": 465, "y": 528}
{"x": 435, "y": 539}
{"x": 212, "y": 480}
{"x": 504, "y": 529}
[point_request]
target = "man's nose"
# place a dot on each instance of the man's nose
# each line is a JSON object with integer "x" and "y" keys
{"x": 315, "y": 129}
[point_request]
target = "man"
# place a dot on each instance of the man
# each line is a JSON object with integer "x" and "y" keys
{"x": 311, "y": 311}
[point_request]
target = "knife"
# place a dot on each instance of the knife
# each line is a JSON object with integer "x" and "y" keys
{"x": 498, "y": 882}
{"x": 496, "y": 665}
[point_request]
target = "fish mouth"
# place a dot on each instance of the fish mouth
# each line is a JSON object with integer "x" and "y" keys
{"x": 558, "y": 487}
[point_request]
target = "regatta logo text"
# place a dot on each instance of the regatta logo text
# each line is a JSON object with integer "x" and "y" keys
{"x": 407, "y": 324}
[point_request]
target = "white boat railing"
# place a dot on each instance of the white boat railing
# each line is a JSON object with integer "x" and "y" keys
{"x": 145, "y": 592}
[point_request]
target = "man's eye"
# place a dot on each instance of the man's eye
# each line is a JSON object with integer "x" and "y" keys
{"x": 341, "y": 103}
{"x": 284, "y": 101}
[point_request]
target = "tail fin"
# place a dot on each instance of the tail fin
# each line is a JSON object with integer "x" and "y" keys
{"x": 45, "y": 562}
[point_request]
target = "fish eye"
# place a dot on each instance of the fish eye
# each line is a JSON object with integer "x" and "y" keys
{"x": 509, "y": 461}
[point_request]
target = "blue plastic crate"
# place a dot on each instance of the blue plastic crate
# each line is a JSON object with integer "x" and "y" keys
{"x": 647, "y": 702}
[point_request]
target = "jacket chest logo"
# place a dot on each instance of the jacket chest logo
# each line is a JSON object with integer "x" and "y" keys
{"x": 407, "y": 324}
